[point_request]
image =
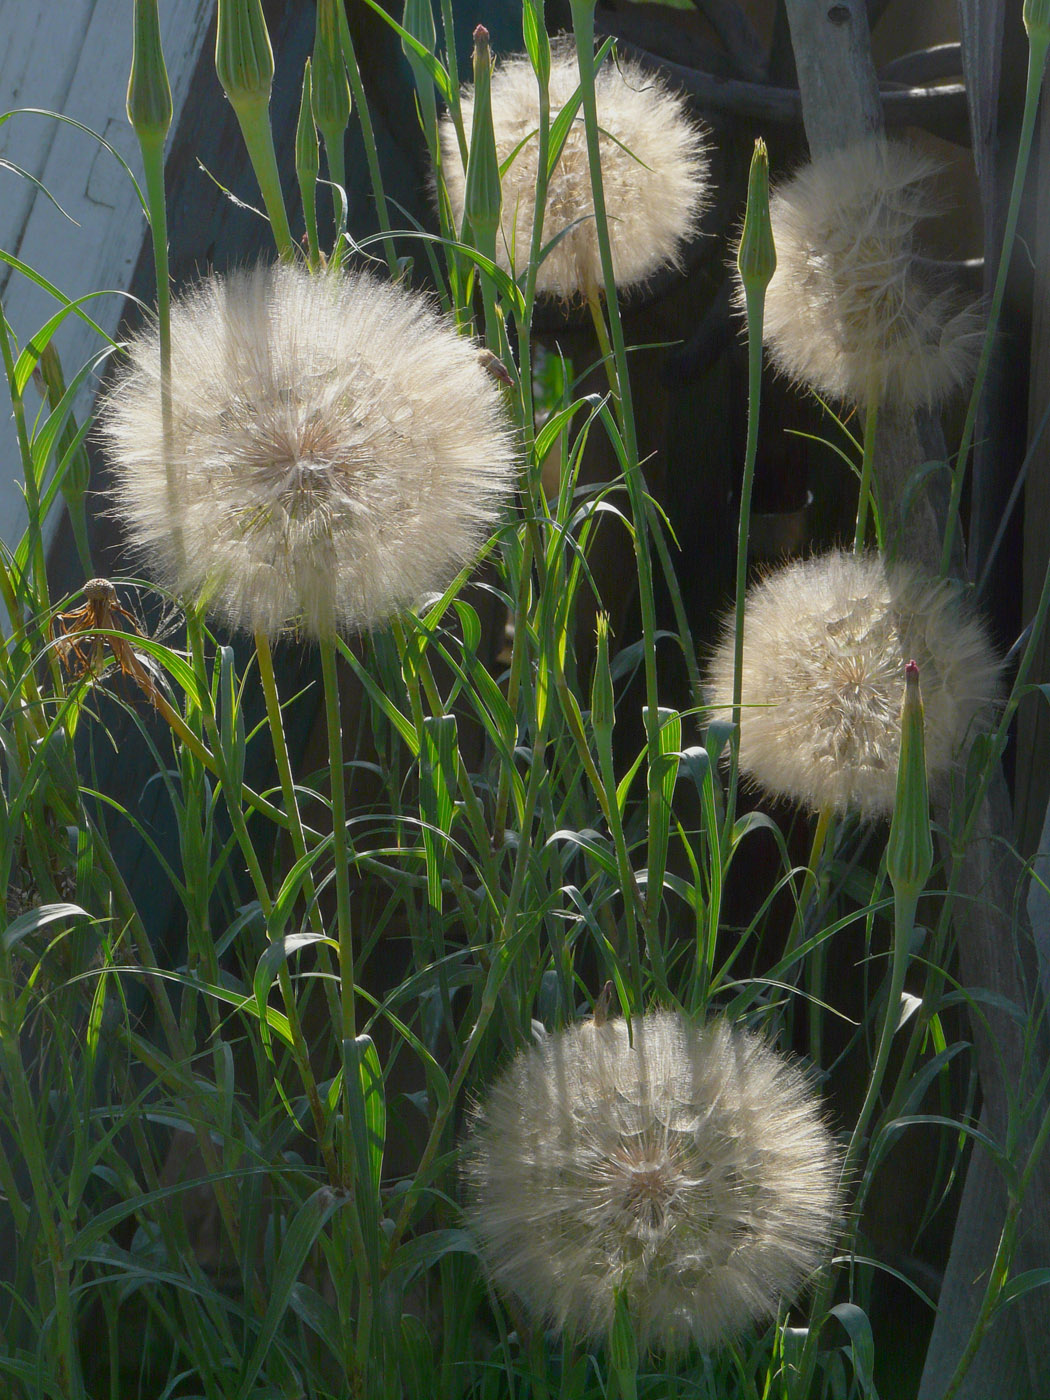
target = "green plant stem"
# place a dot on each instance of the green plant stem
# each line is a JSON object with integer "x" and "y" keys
{"x": 333, "y": 147}
{"x": 152, "y": 148}
{"x": 583, "y": 30}
{"x": 169, "y": 1023}
{"x": 280, "y": 751}
{"x": 543, "y": 141}
{"x": 340, "y": 855}
{"x": 153, "y": 165}
{"x": 601, "y": 332}
{"x": 1037, "y": 51}
{"x": 517, "y": 662}
{"x": 254, "y": 118}
{"x": 300, "y": 1050}
{"x": 233, "y": 793}
{"x": 489, "y": 1002}
{"x": 681, "y": 619}
{"x": 755, "y": 307}
{"x": 531, "y": 549}
{"x": 201, "y": 753}
{"x": 296, "y": 830}
{"x": 871, "y": 419}
{"x": 904, "y": 907}
{"x": 308, "y": 197}
{"x": 416, "y": 670}
{"x": 360, "y": 104}
{"x": 38, "y": 565}
{"x": 825, "y": 819}
{"x": 48, "y": 1202}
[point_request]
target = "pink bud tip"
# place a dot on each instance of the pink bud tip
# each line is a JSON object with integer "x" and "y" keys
{"x": 481, "y": 35}
{"x": 911, "y": 670}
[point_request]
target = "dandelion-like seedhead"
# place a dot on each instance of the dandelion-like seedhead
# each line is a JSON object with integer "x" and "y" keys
{"x": 690, "y": 1172}
{"x": 336, "y": 450}
{"x": 826, "y": 641}
{"x": 654, "y": 173}
{"x": 850, "y": 310}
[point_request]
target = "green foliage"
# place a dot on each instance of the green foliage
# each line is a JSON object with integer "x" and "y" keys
{"x": 234, "y": 1173}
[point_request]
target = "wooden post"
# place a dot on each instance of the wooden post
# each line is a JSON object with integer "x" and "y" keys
{"x": 840, "y": 106}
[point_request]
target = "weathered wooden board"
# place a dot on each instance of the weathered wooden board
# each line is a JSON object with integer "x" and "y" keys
{"x": 74, "y": 59}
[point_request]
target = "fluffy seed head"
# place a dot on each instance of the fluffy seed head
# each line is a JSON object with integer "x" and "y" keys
{"x": 826, "y": 641}
{"x": 654, "y": 173}
{"x": 850, "y": 311}
{"x": 336, "y": 450}
{"x": 690, "y": 1172}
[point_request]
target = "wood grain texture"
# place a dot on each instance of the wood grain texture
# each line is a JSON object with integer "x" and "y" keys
{"x": 836, "y": 76}
{"x": 995, "y": 951}
{"x": 78, "y": 68}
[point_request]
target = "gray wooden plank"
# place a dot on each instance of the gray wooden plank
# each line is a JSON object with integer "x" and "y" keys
{"x": 78, "y": 67}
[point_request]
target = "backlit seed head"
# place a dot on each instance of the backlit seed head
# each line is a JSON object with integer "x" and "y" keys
{"x": 654, "y": 173}
{"x": 689, "y": 1172}
{"x": 850, "y": 310}
{"x": 826, "y": 641}
{"x": 336, "y": 450}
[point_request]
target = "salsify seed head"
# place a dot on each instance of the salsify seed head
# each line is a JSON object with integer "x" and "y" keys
{"x": 689, "y": 1172}
{"x": 654, "y": 173}
{"x": 852, "y": 311}
{"x": 336, "y": 450}
{"x": 826, "y": 642}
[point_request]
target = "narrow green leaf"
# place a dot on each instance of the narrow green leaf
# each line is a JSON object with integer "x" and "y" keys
{"x": 36, "y": 919}
{"x": 267, "y": 967}
{"x": 663, "y": 775}
{"x": 310, "y": 1219}
{"x": 537, "y": 43}
{"x": 401, "y": 723}
{"x": 857, "y": 1326}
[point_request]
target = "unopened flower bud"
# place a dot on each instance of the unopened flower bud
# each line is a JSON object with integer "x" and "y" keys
{"x": 307, "y": 156}
{"x": 331, "y": 91}
{"x": 1036, "y": 15}
{"x": 149, "y": 92}
{"x": 909, "y": 855}
{"x": 757, "y": 256}
{"x": 602, "y": 704}
{"x": 243, "y": 56}
{"x": 484, "y": 198}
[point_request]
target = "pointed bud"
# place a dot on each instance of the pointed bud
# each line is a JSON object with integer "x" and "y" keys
{"x": 244, "y": 65}
{"x": 307, "y": 155}
{"x": 909, "y": 855}
{"x": 149, "y": 92}
{"x": 757, "y": 257}
{"x": 483, "y": 196}
{"x": 602, "y": 703}
{"x": 331, "y": 91}
{"x": 307, "y": 164}
{"x": 1037, "y": 19}
{"x": 243, "y": 56}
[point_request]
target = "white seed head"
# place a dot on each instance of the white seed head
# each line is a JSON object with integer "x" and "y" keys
{"x": 850, "y": 311}
{"x": 691, "y": 1172}
{"x": 826, "y": 641}
{"x": 654, "y": 173}
{"x": 335, "y": 451}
